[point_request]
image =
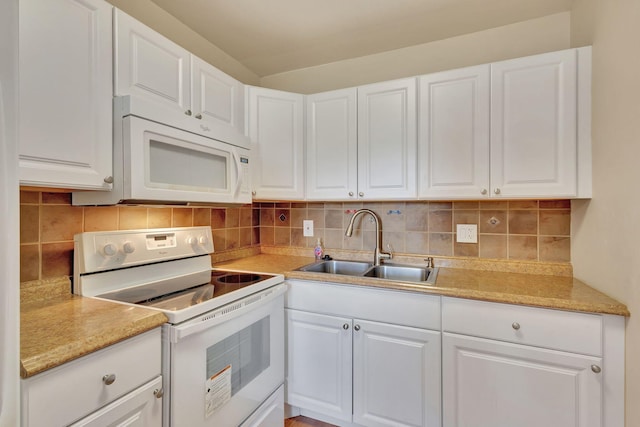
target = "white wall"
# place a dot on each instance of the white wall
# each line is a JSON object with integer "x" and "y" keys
{"x": 606, "y": 230}
{"x": 9, "y": 226}
{"x": 510, "y": 41}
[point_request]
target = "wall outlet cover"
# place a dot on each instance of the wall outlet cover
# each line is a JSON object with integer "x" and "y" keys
{"x": 307, "y": 227}
{"x": 466, "y": 233}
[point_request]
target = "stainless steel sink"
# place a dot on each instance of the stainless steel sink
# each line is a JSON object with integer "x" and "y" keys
{"x": 402, "y": 273}
{"x": 350, "y": 268}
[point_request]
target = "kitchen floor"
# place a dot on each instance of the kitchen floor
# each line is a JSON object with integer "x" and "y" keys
{"x": 305, "y": 422}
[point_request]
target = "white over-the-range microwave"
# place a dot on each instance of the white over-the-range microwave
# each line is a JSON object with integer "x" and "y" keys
{"x": 162, "y": 157}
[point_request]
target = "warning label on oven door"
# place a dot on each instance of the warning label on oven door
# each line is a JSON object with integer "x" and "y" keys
{"x": 217, "y": 391}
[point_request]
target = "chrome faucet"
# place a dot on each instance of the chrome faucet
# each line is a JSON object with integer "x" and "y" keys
{"x": 377, "y": 254}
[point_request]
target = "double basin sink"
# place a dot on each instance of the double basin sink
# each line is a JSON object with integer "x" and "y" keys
{"x": 402, "y": 273}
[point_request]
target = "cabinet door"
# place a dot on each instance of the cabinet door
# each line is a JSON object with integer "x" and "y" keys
{"x": 387, "y": 146}
{"x": 454, "y": 133}
{"x": 319, "y": 363}
{"x": 150, "y": 66}
{"x": 215, "y": 96}
{"x": 490, "y": 383}
{"x": 276, "y": 133}
{"x": 140, "y": 408}
{"x": 533, "y": 126}
{"x": 65, "y": 65}
{"x": 332, "y": 145}
{"x": 396, "y": 375}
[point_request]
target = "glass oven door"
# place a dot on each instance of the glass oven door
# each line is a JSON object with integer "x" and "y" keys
{"x": 225, "y": 364}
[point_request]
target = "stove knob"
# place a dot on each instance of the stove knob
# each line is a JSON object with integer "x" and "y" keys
{"x": 203, "y": 240}
{"x": 192, "y": 241}
{"x": 109, "y": 249}
{"x": 128, "y": 248}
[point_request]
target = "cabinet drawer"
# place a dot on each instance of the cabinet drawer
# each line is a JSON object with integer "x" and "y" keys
{"x": 554, "y": 329}
{"x": 362, "y": 302}
{"x": 64, "y": 394}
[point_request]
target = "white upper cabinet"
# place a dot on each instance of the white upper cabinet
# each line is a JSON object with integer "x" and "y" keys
{"x": 150, "y": 65}
{"x": 153, "y": 68}
{"x": 275, "y": 127}
{"x": 65, "y": 125}
{"x": 332, "y": 145}
{"x": 387, "y": 144}
{"x": 533, "y": 126}
{"x": 516, "y": 128}
{"x": 216, "y": 96}
{"x": 454, "y": 133}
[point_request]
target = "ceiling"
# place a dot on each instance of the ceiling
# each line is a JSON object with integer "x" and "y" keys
{"x": 275, "y": 36}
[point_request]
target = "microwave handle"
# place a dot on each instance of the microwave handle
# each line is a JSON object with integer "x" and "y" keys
{"x": 236, "y": 158}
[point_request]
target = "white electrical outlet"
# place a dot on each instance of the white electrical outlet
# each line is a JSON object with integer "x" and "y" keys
{"x": 307, "y": 227}
{"x": 466, "y": 233}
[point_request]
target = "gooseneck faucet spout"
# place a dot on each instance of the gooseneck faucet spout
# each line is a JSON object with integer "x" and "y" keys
{"x": 377, "y": 254}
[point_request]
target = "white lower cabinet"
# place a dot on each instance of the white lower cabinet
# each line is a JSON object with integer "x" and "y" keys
{"x": 530, "y": 367}
{"x": 349, "y": 371}
{"x": 120, "y": 385}
{"x": 494, "y": 384}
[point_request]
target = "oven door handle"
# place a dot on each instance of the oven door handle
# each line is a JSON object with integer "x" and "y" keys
{"x": 226, "y": 313}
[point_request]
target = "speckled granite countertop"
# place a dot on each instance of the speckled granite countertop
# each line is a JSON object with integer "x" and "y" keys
{"x": 57, "y": 327}
{"x": 549, "y": 291}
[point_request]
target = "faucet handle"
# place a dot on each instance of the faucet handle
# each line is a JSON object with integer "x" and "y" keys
{"x": 429, "y": 261}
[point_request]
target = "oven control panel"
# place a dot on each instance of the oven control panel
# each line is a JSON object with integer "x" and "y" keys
{"x": 106, "y": 250}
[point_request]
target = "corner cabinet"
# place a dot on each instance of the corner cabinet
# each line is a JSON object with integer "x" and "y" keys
{"x": 343, "y": 369}
{"x": 65, "y": 65}
{"x": 530, "y": 367}
{"x": 516, "y": 128}
{"x": 275, "y": 128}
{"x": 120, "y": 385}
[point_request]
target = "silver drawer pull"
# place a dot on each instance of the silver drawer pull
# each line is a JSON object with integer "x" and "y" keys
{"x": 345, "y": 326}
{"x": 109, "y": 379}
{"x": 357, "y": 327}
{"x": 515, "y": 325}
{"x": 596, "y": 369}
{"x": 158, "y": 393}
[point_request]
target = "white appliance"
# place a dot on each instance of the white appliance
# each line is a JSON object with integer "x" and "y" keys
{"x": 159, "y": 157}
{"x": 223, "y": 347}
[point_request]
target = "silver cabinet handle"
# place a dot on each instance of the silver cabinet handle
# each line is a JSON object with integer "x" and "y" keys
{"x": 357, "y": 327}
{"x": 515, "y": 325}
{"x": 361, "y": 194}
{"x": 253, "y": 193}
{"x": 484, "y": 192}
{"x": 345, "y": 326}
{"x": 496, "y": 191}
{"x": 198, "y": 116}
{"x": 109, "y": 379}
{"x": 188, "y": 112}
{"x": 596, "y": 369}
{"x": 350, "y": 193}
{"x": 158, "y": 393}
{"x": 109, "y": 180}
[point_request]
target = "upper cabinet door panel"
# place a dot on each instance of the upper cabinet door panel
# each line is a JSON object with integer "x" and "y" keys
{"x": 276, "y": 133}
{"x": 215, "y": 96}
{"x": 387, "y": 140}
{"x": 65, "y": 49}
{"x": 533, "y": 125}
{"x": 332, "y": 145}
{"x": 150, "y": 65}
{"x": 454, "y": 133}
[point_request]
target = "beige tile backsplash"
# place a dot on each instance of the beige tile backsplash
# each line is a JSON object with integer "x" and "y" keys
{"x": 515, "y": 230}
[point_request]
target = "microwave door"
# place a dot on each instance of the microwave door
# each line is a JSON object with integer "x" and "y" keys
{"x": 168, "y": 164}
